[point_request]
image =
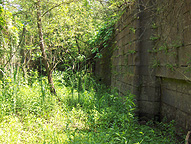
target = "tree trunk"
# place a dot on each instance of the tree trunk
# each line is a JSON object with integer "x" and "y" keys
{"x": 42, "y": 48}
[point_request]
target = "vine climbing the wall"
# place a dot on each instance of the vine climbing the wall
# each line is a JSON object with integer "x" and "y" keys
{"x": 102, "y": 37}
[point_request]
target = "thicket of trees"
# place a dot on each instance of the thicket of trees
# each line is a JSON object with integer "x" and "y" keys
{"x": 63, "y": 34}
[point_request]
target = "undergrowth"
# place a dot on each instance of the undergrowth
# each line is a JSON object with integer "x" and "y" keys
{"x": 88, "y": 113}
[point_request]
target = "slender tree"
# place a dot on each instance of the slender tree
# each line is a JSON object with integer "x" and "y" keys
{"x": 42, "y": 48}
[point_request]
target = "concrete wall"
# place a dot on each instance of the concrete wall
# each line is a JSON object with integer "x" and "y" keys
{"x": 151, "y": 58}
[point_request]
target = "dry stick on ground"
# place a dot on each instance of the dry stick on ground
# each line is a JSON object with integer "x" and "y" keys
{"x": 187, "y": 137}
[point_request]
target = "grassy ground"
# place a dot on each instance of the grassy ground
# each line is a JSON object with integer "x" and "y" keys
{"x": 88, "y": 113}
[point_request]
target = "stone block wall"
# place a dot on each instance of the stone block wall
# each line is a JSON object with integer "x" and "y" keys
{"x": 151, "y": 58}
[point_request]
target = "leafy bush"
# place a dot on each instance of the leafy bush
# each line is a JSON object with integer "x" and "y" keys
{"x": 92, "y": 114}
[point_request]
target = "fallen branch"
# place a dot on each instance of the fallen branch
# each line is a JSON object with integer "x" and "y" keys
{"x": 187, "y": 137}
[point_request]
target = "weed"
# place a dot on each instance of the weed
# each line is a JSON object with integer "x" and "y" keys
{"x": 30, "y": 114}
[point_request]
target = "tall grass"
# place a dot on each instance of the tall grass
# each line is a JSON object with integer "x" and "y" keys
{"x": 30, "y": 114}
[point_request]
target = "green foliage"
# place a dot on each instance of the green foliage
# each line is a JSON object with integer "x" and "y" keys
{"x": 30, "y": 114}
{"x": 72, "y": 30}
{"x": 2, "y": 20}
{"x": 154, "y": 38}
{"x": 164, "y": 48}
{"x": 131, "y": 51}
{"x": 156, "y": 63}
{"x": 154, "y": 26}
{"x": 170, "y": 66}
{"x": 132, "y": 29}
{"x": 101, "y": 39}
{"x": 67, "y": 28}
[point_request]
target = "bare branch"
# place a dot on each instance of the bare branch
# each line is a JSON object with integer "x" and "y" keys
{"x": 57, "y": 6}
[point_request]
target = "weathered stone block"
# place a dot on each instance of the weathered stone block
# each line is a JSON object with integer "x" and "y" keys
{"x": 128, "y": 78}
{"x": 186, "y": 19}
{"x": 152, "y": 108}
{"x": 118, "y": 69}
{"x": 178, "y": 100}
{"x": 125, "y": 40}
{"x": 130, "y": 60}
{"x": 129, "y": 70}
{"x": 184, "y": 102}
{"x": 118, "y": 84}
{"x": 185, "y": 56}
{"x": 186, "y": 35}
{"x": 123, "y": 33}
{"x": 115, "y": 52}
{"x": 125, "y": 88}
{"x": 148, "y": 81}
{"x": 168, "y": 112}
{"x": 114, "y": 61}
{"x": 183, "y": 86}
{"x": 119, "y": 42}
{"x": 188, "y": 122}
{"x": 169, "y": 97}
{"x": 187, "y": 6}
{"x": 172, "y": 56}
{"x": 161, "y": 58}
{"x": 145, "y": 70}
{"x": 125, "y": 60}
{"x": 170, "y": 84}
{"x": 119, "y": 60}
{"x": 144, "y": 58}
{"x": 151, "y": 94}
{"x": 180, "y": 118}
{"x": 121, "y": 50}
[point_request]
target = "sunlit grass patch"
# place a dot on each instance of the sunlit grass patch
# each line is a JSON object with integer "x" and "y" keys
{"x": 93, "y": 114}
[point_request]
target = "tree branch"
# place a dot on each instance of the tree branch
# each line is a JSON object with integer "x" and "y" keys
{"x": 57, "y": 6}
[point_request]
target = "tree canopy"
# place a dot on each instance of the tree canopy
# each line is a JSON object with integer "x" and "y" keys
{"x": 64, "y": 33}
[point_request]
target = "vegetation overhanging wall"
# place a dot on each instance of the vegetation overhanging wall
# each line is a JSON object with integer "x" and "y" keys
{"x": 151, "y": 58}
